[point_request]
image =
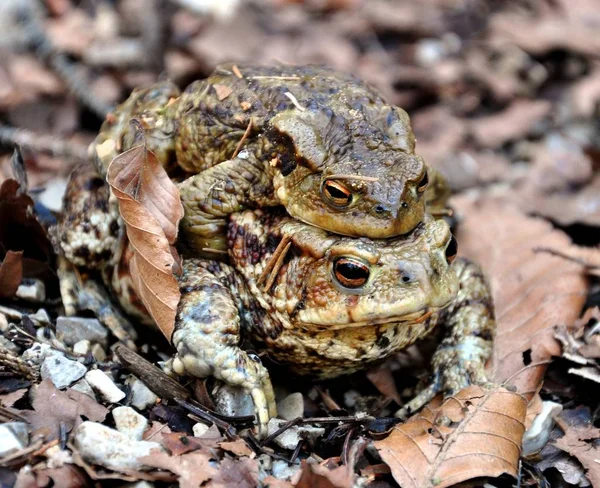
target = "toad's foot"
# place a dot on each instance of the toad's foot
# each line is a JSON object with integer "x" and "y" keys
{"x": 207, "y": 336}
{"x": 460, "y": 359}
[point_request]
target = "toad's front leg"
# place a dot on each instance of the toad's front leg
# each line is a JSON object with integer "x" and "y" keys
{"x": 469, "y": 322}
{"x": 207, "y": 336}
{"x": 210, "y": 196}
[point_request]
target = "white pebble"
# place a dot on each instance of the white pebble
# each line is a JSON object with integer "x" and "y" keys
{"x": 34, "y": 291}
{"x": 84, "y": 387}
{"x": 107, "y": 447}
{"x": 13, "y": 437}
{"x": 291, "y": 407}
{"x": 61, "y": 371}
{"x": 130, "y": 423}
{"x": 82, "y": 347}
{"x": 141, "y": 396}
{"x": 104, "y": 386}
{"x": 199, "y": 429}
{"x": 290, "y": 438}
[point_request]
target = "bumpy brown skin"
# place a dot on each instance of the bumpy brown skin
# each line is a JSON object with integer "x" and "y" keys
{"x": 308, "y": 317}
{"x": 310, "y": 322}
{"x": 310, "y": 127}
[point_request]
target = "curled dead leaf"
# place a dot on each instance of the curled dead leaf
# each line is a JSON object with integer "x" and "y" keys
{"x": 533, "y": 291}
{"x": 582, "y": 442}
{"x": 475, "y": 433}
{"x": 150, "y": 206}
{"x": 11, "y": 273}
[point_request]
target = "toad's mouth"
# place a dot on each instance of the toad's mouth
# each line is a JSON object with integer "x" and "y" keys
{"x": 414, "y": 318}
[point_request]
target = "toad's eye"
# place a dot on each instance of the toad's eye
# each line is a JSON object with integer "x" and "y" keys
{"x": 350, "y": 273}
{"x": 451, "y": 250}
{"x": 336, "y": 193}
{"x": 423, "y": 183}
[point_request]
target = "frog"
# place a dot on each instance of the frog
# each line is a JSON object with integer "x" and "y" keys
{"x": 322, "y": 143}
{"x": 334, "y": 305}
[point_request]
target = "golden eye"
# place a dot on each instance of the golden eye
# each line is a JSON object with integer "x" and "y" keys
{"x": 451, "y": 250}
{"x": 350, "y": 273}
{"x": 423, "y": 183}
{"x": 336, "y": 193}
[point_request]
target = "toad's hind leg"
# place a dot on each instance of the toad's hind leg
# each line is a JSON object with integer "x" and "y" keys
{"x": 459, "y": 361}
{"x": 210, "y": 196}
{"x": 207, "y": 336}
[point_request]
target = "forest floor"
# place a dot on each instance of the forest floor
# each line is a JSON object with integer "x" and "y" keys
{"x": 504, "y": 99}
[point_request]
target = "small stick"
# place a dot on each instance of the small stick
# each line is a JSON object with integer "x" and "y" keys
{"x": 242, "y": 140}
{"x": 205, "y": 415}
{"x": 41, "y": 143}
{"x": 442, "y": 212}
{"x": 217, "y": 251}
{"x": 346, "y": 448}
{"x": 295, "y": 101}
{"x": 277, "y": 267}
{"x": 560, "y": 254}
{"x": 288, "y": 425}
{"x": 274, "y": 259}
{"x": 151, "y": 376}
{"x": 264, "y": 77}
{"x": 236, "y": 71}
{"x": 352, "y": 177}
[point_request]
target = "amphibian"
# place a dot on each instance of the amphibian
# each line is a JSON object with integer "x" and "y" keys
{"x": 335, "y": 304}
{"x": 321, "y": 143}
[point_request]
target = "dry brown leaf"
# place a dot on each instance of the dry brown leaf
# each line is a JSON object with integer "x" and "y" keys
{"x": 179, "y": 443}
{"x": 150, "y": 206}
{"x": 316, "y": 476}
{"x": 513, "y": 123}
{"x": 11, "y": 273}
{"x": 272, "y": 482}
{"x": 193, "y": 469}
{"x": 566, "y": 24}
{"x": 383, "y": 379}
{"x": 237, "y": 447}
{"x": 483, "y": 438}
{"x": 54, "y": 407}
{"x": 532, "y": 291}
{"x": 239, "y": 472}
{"x": 223, "y": 91}
{"x": 21, "y": 231}
{"x": 582, "y": 443}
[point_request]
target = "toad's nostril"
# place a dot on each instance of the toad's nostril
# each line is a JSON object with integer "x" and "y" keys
{"x": 380, "y": 209}
{"x": 406, "y": 277}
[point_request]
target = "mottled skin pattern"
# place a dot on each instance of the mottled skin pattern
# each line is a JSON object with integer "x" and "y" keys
{"x": 335, "y": 306}
{"x": 321, "y": 143}
{"x": 309, "y": 321}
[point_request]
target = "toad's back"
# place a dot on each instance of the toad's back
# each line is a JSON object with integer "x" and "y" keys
{"x": 214, "y": 113}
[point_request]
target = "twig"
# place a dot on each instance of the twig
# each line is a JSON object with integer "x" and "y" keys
{"x": 346, "y": 448}
{"x": 206, "y": 415}
{"x": 151, "y": 376}
{"x": 236, "y": 71}
{"x": 42, "y": 143}
{"x": 352, "y": 177}
{"x": 295, "y": 101}
{"x": 242, "y": 140}
{"x": 259, "y": 449}
{"x": 296, "y": 452}
{"x": 15, "y": 363}
{"x": 288, "y": 425}
{"x": 560, "y": 254}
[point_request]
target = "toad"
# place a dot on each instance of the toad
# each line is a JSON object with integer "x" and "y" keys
{"x": 321, "y": 143}
{"x": 334, "y": 304}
